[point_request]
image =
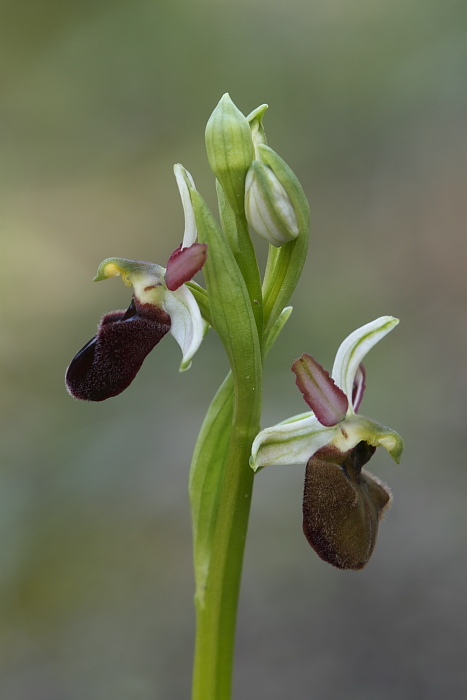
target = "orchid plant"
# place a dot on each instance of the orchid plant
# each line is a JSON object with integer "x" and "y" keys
{"x": 257, "y": 192}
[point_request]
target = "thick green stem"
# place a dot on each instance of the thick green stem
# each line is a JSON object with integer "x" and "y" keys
{"x": 216, "y": 616}
{"x": 216, "y": 605}
{"x": 217, "y": 595}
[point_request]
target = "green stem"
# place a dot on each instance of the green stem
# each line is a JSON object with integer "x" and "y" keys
{"x": 217, "y": 597}
{"x": 246, "y": 259}
{"x": 216, "y": 617}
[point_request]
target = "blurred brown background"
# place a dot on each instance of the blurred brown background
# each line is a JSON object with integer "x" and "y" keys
{"x": 368, "y": 104}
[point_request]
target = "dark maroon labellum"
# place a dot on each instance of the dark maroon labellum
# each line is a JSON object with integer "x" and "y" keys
{"x": 107, "y": 365}
{"x": 342, "y": 507}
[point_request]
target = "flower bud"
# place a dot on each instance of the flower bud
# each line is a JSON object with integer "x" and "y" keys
{"x": 230, "y": 150}
{"x": 268, "y": 208}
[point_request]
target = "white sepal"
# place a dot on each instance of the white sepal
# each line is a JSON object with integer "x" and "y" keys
{"x": 184, "y": 182}
{"x": 291, "y": 442}
{"x": 354, "y": 348}
{"x": 188, "y": 327}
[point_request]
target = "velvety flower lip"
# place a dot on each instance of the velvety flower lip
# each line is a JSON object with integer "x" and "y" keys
{"x": 297, "y": 439}
{"x": 109, "y": 362}
{"x": 342, "y": 506}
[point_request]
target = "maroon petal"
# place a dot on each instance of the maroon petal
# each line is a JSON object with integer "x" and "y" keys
{"x": 358, "y": 388}
{"x": 107, "y": 365}
{"x": 323, "y": 396}
{"x": 184, "y": 263}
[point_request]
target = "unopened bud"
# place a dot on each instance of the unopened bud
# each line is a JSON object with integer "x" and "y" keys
{"x": 230, "y": 150}
{"x": 268, "y": 208}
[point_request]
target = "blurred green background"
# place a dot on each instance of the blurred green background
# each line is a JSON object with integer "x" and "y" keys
{"x": 368, "y": 104}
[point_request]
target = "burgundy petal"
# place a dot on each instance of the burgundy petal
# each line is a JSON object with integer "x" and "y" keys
{"x": 323, "y": 396}
{"x": 358, "y": 388}
{"x": 184, "y": 263}
{"x": 107, "y": 365}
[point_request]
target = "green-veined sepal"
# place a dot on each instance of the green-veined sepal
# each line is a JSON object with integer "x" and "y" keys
{"x": 297, "y": 439}
{"x": 354, "y": 348}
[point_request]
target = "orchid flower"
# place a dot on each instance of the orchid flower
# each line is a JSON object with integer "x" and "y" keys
{"x": 161, "y": 303}
{"x": 342, "y": 504}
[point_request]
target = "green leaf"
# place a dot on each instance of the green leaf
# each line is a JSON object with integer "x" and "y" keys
{"x": 271, "y": 337}
{"x": 207, "y": 469}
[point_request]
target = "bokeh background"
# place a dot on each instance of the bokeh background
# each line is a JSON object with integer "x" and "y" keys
{"x": 368, "y": 104}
